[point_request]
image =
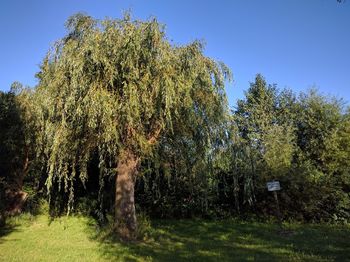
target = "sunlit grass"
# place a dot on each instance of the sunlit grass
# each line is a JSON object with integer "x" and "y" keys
{"x": 78, "y": 239}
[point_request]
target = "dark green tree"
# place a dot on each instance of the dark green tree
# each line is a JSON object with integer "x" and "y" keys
{"x": 17, "y": 138}
{"x": 255, "y": 117}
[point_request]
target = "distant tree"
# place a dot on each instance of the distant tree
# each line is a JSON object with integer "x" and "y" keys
{"x": 254, "y": 116}
{"x": 115, "y": 87}
{"x": 318, "y": 123}
{"x": 11, "y": 139}
{"x": 17, "y": 137}
{"x": 301, "y": 141}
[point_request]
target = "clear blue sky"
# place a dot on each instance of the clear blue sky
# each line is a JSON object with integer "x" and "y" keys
{"x": 293, "y": 43}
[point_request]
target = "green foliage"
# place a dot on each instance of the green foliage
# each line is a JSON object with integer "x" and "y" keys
{"x": 279, "y": 147}
{"x": 302, "y": 142}
{"x": 11, "y": 138}
{"x": 13, "y": 144}
{"x": 117, "y": 86}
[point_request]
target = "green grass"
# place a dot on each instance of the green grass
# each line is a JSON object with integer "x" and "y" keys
{"x": 77, "y": 239}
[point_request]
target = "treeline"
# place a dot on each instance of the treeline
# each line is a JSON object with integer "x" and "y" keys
{"x": 119, "y": 110}
{"x": 302, "y": 141}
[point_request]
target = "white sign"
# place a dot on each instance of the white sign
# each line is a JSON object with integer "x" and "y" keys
{"x": 273, "y": 186}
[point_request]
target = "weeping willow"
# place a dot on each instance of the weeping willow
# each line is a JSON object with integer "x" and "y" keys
{"x": 115, "y": 87}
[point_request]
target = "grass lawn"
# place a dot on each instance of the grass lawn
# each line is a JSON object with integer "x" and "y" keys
{"x": 76, "y": 239}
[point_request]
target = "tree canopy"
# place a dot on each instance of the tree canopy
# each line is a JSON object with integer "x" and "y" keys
{"x": 114, "y": 87}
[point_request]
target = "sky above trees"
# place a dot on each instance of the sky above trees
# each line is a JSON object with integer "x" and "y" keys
{"x": 294, "y": 43}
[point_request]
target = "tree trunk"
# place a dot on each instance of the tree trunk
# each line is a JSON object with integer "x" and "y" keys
{"x": 125, "y": 216}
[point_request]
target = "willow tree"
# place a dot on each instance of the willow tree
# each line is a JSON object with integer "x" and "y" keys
{"x": 115, "y": 87}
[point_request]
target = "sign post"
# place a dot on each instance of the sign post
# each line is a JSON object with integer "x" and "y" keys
{"x": 274, "y": 186}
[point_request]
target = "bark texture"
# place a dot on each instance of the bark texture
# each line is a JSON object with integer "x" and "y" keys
{"x": 125, "y": 216}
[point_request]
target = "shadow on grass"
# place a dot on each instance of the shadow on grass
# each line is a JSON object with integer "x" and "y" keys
{"x": 14, "y": 224}
{"x": 6, "y": 230}
{"x": 198, "y": 240}
{"x": 33, "y": 207}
